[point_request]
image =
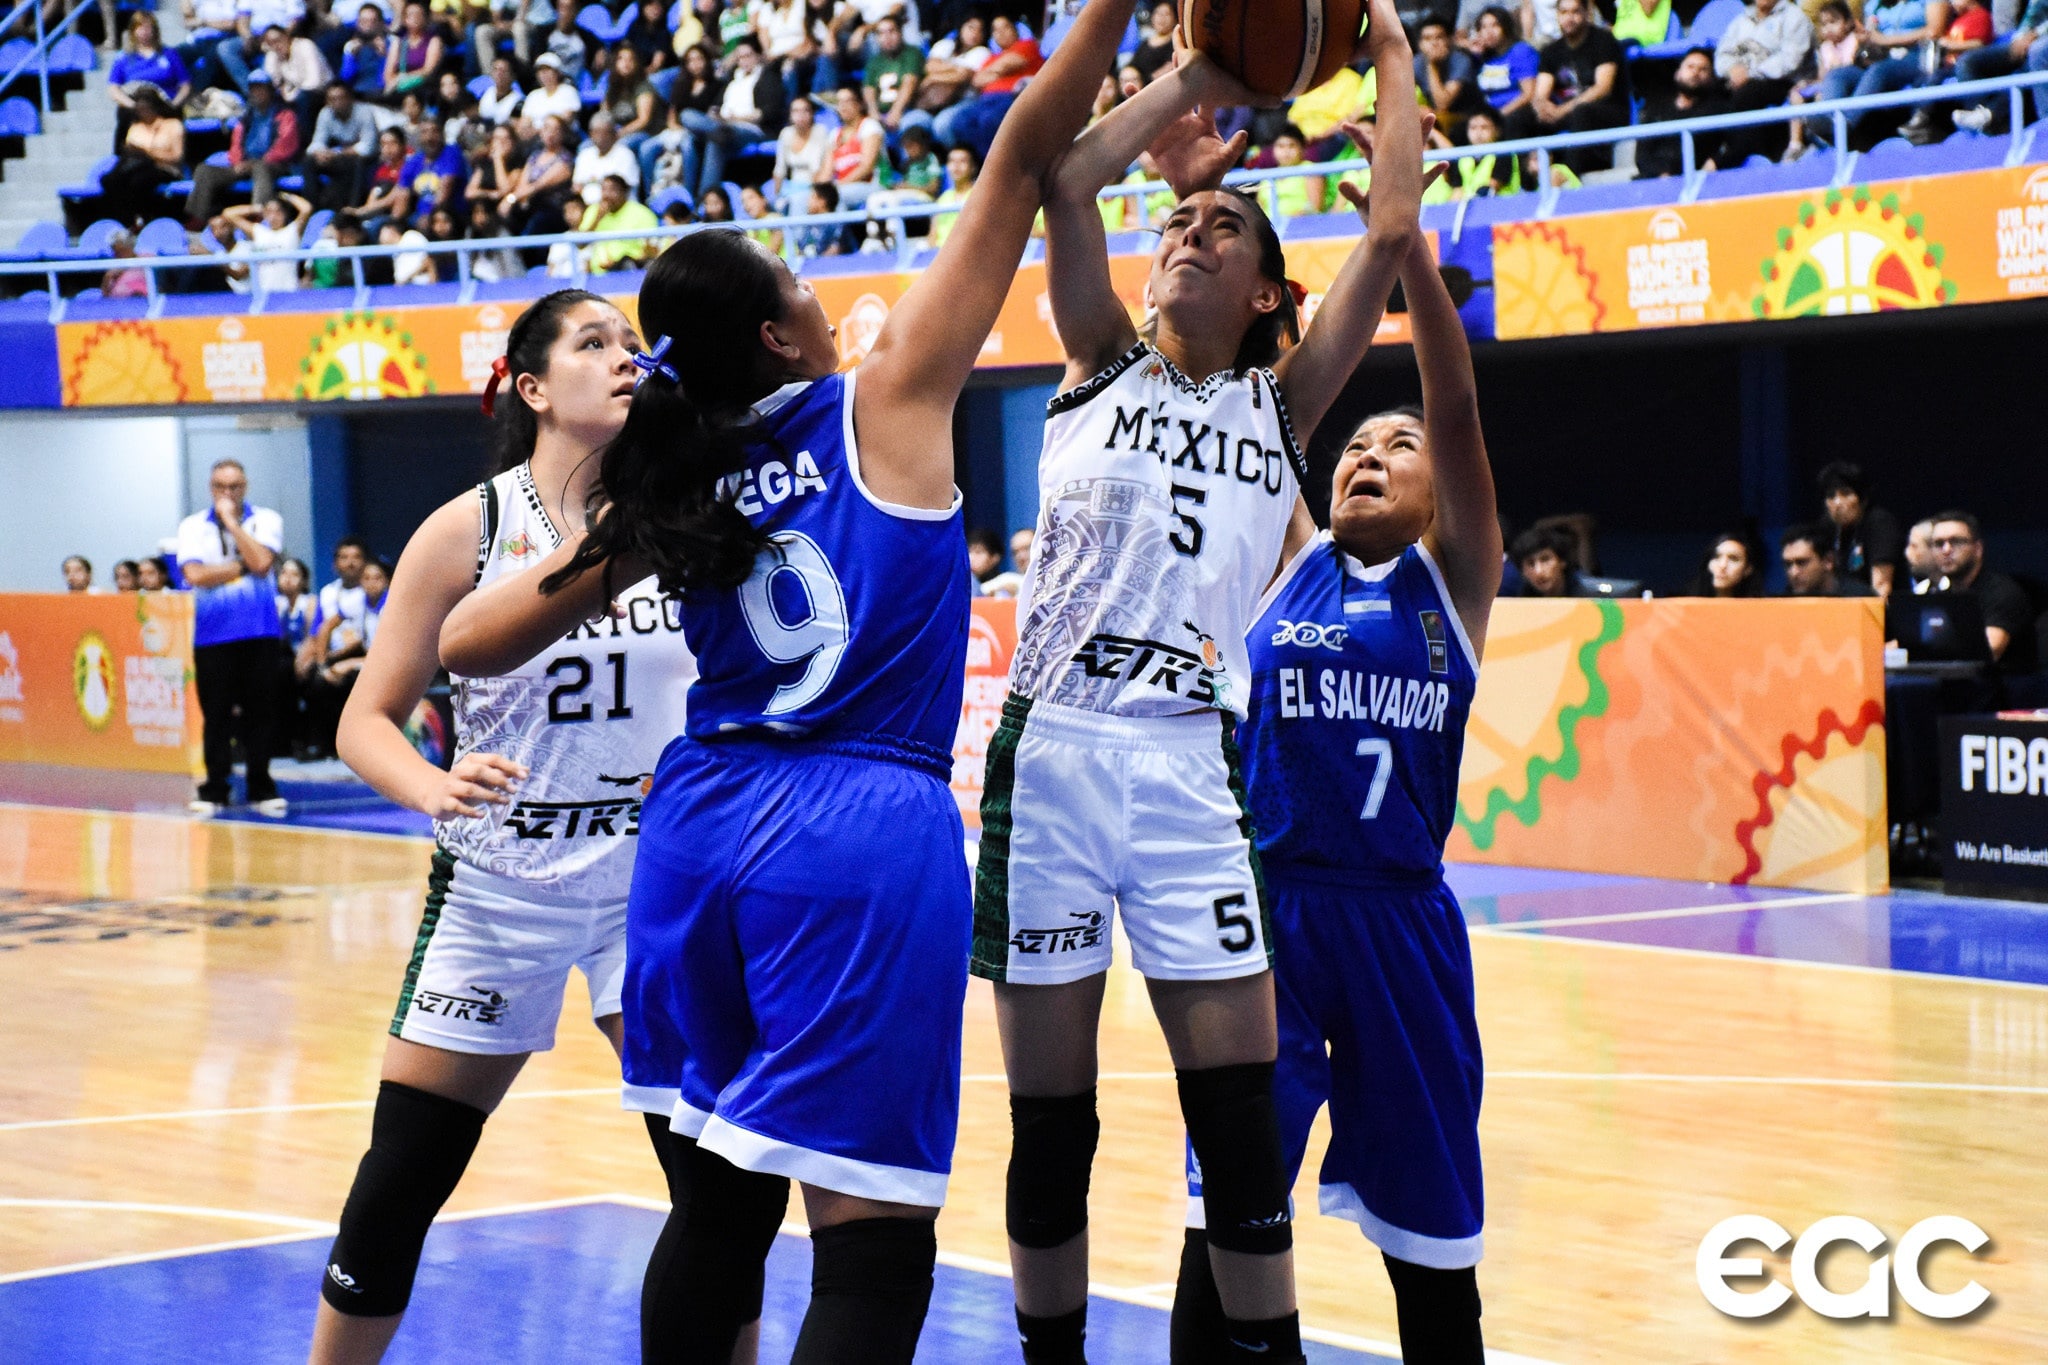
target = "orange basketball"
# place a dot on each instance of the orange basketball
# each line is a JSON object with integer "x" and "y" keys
{"x": 1278, "y": 48}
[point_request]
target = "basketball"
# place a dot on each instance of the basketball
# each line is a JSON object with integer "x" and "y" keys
{"x": 1278, "y": 48}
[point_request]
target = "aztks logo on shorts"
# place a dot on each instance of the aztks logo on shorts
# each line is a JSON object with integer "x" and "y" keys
{"x": 608, "y": 818}
{"x": 1085, "y": 933}
{"x": 1152, "y": 663}
{"x": 485, "y": 1006}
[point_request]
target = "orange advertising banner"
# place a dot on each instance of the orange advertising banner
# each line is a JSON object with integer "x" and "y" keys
{"x": 1738, "y": 742}
{"x": 448, "y": 348}
{"x": 99, "y": 681}
{"x": 1930, "y": 242}
{"x": 991, "y": 641}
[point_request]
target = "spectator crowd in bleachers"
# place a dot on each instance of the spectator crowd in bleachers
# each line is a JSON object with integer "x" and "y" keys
{"x": 441, "y": 120}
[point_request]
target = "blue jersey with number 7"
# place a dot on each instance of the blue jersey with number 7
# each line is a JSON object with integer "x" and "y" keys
{"x": 854, "y": 622}
{"x": 1362, "y": 677}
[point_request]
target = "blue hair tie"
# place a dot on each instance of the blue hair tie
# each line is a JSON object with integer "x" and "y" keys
{"x": 650, "y": 363}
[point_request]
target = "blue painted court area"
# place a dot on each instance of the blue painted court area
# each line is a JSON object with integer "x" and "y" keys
{"x": 547, "y": 1286}
{"x": 1905, "y": 931}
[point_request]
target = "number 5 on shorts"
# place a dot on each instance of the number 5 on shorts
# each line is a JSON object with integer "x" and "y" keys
{"x": 1234, "y": 932}
{"x": 1383, "y": 751}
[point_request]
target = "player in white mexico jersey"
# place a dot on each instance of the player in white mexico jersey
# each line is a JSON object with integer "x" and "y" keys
{"x": 1170, "y": 472}
{"x": 535, "y": 825}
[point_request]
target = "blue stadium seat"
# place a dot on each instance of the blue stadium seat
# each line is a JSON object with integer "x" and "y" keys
{"x": 478, "y": 86}
{"x": 664, "y": 81}
{"x": 41, "y": 242}
{"x": 72, "y": 53}
{"x": 1894, "y": 159}
{"x": 1807, "y": 173}
{"x": 89, "y": 296}
{"x": 598, "y": 22}
{"x": 1712, "y": 21}
{"x": 1629, "y": 194}
{"x": 162, "y": 237}
{"x": 91, "y": 184}
{"x": 98, "y": 240}
{"x": 316, "y": 223}
{"x": 676, "y": 13}
{"x": 196, "y": 126}
{"x": 19, "y": 117}
{"x": 1966, "y": 151}
{"x": 758, "y": 149}
{"x": 15, "y": 53}
{"x": 672, "y": 194}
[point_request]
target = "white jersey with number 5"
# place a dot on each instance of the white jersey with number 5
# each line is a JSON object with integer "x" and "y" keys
{"x": 1163, "y": 507}
{"x": 588, "y": 717}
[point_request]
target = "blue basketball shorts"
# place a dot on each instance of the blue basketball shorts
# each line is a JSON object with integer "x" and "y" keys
{"x": 1374, "y": 993}
{"x": 796, "y": 962}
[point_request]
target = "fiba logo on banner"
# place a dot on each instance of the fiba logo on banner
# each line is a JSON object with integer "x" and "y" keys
{"x": 1902, "y": 1267}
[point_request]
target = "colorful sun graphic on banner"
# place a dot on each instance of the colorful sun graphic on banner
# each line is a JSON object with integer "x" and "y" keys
{"x": 92, "y": 679}
{"x": 1541, "y": 681}
{"x": 1541, "y": 284}
{"x": 363, "y": 356}
{"x": 123, "y": 363}
{"x": 1852, "y": 254}
{"x": 1815, "y": 823}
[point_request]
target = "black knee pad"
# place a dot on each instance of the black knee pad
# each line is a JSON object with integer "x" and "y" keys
{"x": 1052, "y": 1151}
{"x": 705, "y": 1277}
{"x": 1438, "y": 1312}
{"x": 1236, "y": 1135}
{"x": 419, "y": 1146}
{"x": 871, "y": 1284}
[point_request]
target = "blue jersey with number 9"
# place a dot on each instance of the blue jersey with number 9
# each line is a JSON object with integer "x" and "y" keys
{"x": 1361, "y": 681}
{"x": 855, "y": 619}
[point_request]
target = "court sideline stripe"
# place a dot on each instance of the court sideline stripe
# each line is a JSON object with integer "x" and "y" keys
{"x": 1674, "y": 912}
{"x": 958, "y": 1261}
{"x": 1637, "y": 1077}
{"x": 311, "y": 1106}
{"x": 422, "y": 839}
{"x": 1756, "y": 960}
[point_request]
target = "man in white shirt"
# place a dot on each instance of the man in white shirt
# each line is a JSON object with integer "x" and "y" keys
{"x": 228, "y": 555}
{"x": 602, "y": 154}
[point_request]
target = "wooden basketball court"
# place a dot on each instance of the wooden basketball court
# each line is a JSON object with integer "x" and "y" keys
{"x": 194, "y": 1014}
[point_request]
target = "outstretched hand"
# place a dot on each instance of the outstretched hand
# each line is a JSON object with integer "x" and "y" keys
{"x": 1191, "y": 155}
{"x": 1361, "y": 135}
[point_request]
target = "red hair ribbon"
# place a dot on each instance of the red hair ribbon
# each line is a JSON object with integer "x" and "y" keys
{"x": 501, "y": 369}
{"x": 1300, "y": 294}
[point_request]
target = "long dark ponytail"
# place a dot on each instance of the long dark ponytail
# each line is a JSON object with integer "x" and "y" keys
{"x": 514, "y": 428}
{"x": 708, "y": 295}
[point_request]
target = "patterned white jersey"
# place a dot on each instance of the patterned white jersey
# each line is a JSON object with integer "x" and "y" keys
{"x": 589, "y": 718}
{"x": 1163, "y": 508}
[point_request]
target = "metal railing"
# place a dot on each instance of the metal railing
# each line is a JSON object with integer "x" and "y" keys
{"x": 1837, "y": 112}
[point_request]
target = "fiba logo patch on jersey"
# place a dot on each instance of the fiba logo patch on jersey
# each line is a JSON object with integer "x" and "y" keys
{"x": 1439, "y": 643}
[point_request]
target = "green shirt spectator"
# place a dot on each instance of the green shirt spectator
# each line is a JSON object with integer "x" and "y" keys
{"x": 616, "y": 211}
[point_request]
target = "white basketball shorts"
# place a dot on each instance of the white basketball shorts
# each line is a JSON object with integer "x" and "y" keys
{"x": 1085, "y": 816}
{"x": 493, "y": 958}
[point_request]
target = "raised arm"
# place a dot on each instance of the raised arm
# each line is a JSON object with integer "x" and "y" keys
{"x": 1315, "y": 372}
{"x": 1093, "y": 327}
{"x": 433, "y": 574}
{"x": 1465, "y": 540}
{"x": 498, "y": 628}
{"x": 910, "y": 381}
